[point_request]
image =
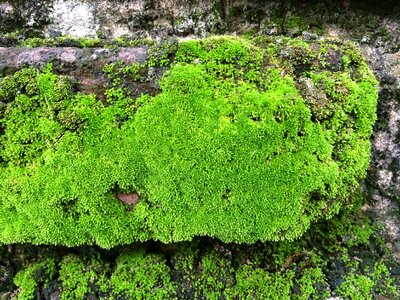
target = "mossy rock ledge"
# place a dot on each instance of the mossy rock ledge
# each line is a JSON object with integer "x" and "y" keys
{"x": 248, "y": 139}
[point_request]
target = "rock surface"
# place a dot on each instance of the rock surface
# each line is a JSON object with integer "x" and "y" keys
{"x": 84, "y": 65}
{"x": 140, "y": 18}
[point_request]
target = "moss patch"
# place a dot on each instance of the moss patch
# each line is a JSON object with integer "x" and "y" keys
{"x": 248, "y": 140}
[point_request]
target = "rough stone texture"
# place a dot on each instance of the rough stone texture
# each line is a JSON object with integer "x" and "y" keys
{"x": 159, "y": 18}
{"x": 130, "y": 199}
{"x": 84, "y": 65}
{"x": 74, "y": 18}
{"x": 140, "y": 18}
{"x": 16, "y": 58}
{"x": 383, "y": 179}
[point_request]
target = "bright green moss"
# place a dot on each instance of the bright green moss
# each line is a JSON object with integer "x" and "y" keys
{"x": 368, "y": 283}
{"x": 357, "y": 287}
{"x": 257, "y": 284}
{"x": 82, "y": 279}
{"x": 231, "y": 147}
{"x": 227, "y": 139}
{"x": 29, "y": 278}
{"x": 141, "y": 276}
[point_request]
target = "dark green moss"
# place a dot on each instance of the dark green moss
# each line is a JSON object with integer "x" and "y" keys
{"x": 209, "y": 270}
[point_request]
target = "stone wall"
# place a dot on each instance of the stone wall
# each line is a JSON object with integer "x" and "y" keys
{"x": 156, "y": 19}
{"x": 373, "y": 25}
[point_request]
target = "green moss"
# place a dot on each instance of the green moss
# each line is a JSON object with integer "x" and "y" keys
{"x": 384, "y": 282}
{"x": 206, "y": 269}
{"x": 125, "y": 42}
{"x": 161, "y": 54}
{"x": 37, "y": 42}
{"x": 184, "y": 271}
{"x": 141, "y": 276}
{"x": 356, "y": 287}
{"x": 367, "y": 284}
{"x": 61, "y": 41}
{"x": 231, "y": 147}
{"x": 28, "y": 279}
{"x": 261, "y": 271}
{"x": 258, "y": 284}
{"x": 312, "y": 284}
{"x": 13, "y": 35}
{"x": 87, "y": 42}
{"x": 216, "y": 276}
{"x": 84, "y": 42}
{"x": 119, "y": 75}
{"x": 83, "y": 279}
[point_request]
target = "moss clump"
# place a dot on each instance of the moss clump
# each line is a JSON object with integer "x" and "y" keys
{"x": 227, "y": 139}
{"x": 377, "y": 281}
{"x": 83, "y": 278}
{"x": 141, "y": 276}
{"x": 32, "y": 276}
{"x": 231, "y": 147}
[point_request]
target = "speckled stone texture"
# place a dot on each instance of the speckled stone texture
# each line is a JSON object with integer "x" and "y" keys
{"x": 83, "y": 65}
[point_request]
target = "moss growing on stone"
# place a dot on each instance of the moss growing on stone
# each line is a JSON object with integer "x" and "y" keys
{"x": 364, "y": 286}
{"x": 248, "y": 140}
{"x": 35, "y": 274}
{"x": 83, "y": 278}
{"x": 141, "y": 276}
{"x": 84, "y": 42}
{"x": 209, "y": 269}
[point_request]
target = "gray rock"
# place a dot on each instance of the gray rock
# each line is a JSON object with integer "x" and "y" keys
{"x": 74, "y": 18}
{"x": 84, "y": 65}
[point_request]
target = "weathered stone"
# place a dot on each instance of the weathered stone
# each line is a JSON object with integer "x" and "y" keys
{"x": 74, "y": 18}
{"x": 84, "y": 65}
{"x": 130, "y": 199}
